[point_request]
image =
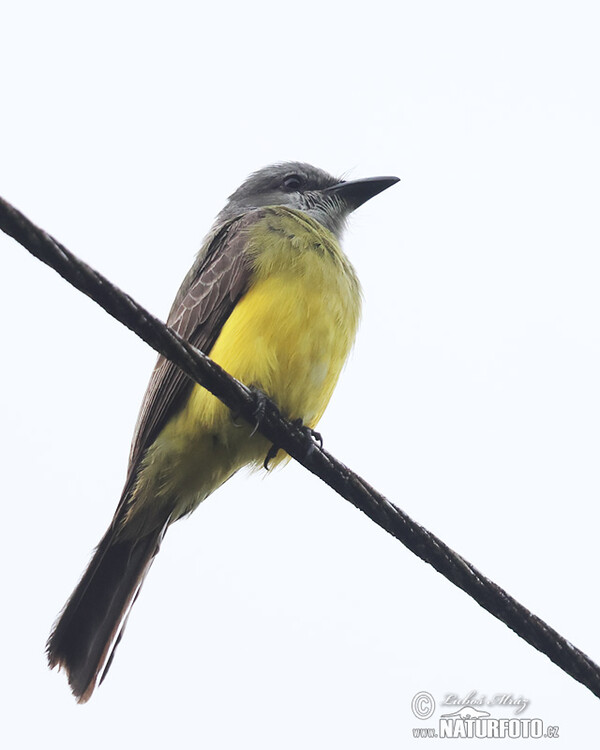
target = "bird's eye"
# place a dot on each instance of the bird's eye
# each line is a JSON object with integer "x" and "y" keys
{"x": 292, "y": 183}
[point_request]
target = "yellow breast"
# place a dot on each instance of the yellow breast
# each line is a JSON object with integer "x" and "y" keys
{"x": 291, "y": 333}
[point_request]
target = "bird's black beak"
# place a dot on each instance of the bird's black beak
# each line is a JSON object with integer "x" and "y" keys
{"x": 356, "y": 192}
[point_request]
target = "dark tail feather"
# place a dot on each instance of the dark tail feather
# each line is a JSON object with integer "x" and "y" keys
{"x": 90, "y": 626}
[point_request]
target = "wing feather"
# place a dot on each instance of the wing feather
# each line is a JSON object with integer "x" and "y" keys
{"x": 218, "y": 279}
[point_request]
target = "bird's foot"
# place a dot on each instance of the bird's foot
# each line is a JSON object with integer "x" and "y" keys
{"x": 260, "y": 404}
{"x": 312, "y": 437}
{"x": 258, "y": 411}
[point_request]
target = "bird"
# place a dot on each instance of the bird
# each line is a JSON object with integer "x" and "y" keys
{"x": 273, "y": 299}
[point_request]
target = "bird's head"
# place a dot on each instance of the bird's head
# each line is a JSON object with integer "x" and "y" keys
{"x": 305, "y": 188}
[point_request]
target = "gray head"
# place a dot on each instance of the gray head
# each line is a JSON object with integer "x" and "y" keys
{"x": 327, "y": 199}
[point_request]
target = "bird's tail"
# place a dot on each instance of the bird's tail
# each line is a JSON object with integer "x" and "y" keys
{"x": 91, "y": 624}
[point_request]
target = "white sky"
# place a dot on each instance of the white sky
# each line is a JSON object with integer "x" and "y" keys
{"x": 278, "y": 616}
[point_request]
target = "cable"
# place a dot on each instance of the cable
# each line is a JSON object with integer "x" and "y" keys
{"x": 301, "y": 445}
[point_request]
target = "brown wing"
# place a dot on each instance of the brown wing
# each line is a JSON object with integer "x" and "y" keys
{"x": 210, "y": 291}
{"x": 91, "y": 624}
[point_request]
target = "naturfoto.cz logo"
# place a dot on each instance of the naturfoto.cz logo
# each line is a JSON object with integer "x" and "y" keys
{"x": 473, "y": 720}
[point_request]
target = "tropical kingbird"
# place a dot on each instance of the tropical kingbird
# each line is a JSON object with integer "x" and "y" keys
{"x": 272, "y": 298}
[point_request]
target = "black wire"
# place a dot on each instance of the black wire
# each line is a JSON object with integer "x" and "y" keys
{"x": 301, "y": 445}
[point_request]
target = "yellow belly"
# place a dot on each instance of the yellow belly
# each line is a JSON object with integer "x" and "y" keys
{"x": 289, "y": 335}
{"x": 284, "y": 339}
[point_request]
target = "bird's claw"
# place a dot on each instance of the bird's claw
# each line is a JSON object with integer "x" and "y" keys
{"x": 271, "y": 453}
{"x": 260, "y": 403}
{"x": 312, "y": 435}
{"x": 258, "y": 412}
